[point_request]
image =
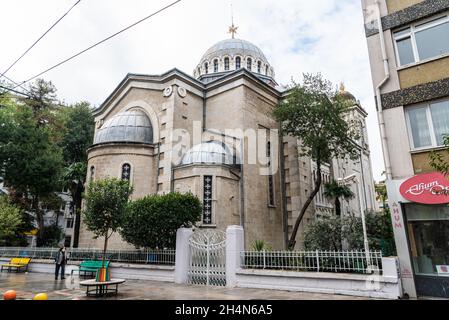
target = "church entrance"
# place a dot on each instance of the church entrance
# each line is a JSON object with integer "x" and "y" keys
{"x": 207, "y": 258}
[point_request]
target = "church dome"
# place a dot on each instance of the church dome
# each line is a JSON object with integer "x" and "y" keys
{"x": 132, "y": 126}
{"x": 232, "y": 54}
{"x": 212, "y": 152}
{"x": 346, "y": 94}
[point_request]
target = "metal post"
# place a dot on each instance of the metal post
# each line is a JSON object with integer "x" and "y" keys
{"x": 318, "y": 261}
{"x": 264, "y": 264}
{"x": 207, "y": 261}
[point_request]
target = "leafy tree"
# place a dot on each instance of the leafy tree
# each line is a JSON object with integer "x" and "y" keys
{"x": 315, "y": 113}
{"x": 438, "y": 161}
{"x": 51, "y": 236}
{"x": 106, "y": 202}
{"x": 334, "y": 190}
{"x": 77, "y": 138}
{"x": 381, "y": 194}
{"x": 152, "y": 222}
{"x": 329, "y": 234}
{"x": 10, "y": 220}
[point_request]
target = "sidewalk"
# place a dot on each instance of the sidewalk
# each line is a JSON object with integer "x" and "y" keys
{"x": 27, "y": 285}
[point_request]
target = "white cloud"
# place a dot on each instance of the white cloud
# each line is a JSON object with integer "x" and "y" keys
{"x": 296, "y": 36}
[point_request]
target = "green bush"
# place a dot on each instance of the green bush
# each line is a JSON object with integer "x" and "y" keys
{"x": 51, "y": 236}
{"x": 152, "y": 222}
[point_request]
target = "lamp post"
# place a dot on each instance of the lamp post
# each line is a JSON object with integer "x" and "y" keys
{"x": 354, "y": 178}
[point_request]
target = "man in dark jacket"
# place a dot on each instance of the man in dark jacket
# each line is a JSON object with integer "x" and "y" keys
{"x": 61, "y": 260}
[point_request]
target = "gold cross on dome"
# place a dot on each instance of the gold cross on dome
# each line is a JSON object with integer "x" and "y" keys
{"x": 233, "y": 30}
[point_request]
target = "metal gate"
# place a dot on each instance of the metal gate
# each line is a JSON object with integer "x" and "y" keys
{"x": 207, "y": 258}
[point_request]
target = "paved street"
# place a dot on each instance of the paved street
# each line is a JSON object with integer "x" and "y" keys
{"x": 27, "y": 285}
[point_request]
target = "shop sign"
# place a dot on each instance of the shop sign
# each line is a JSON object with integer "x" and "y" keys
{"x": 443, "y": 270}
{"x": 430, "y": 188}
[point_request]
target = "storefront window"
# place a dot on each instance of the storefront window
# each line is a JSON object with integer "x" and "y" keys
{"x": 428, "y": 229}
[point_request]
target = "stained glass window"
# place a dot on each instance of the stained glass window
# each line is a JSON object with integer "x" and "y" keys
{"x": 207, "y": 200}
{"x": 126, "y": 172}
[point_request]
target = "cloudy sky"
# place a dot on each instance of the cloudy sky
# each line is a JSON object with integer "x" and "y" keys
{"x": 297, "y": 36}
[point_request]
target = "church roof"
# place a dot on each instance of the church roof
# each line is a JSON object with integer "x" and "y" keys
{"x": 131, "y": 126}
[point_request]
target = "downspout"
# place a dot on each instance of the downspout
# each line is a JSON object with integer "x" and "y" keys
{"x": 284, "y": 196}
{"x": 380, "y": 115}
{"x": 158, "y": 164}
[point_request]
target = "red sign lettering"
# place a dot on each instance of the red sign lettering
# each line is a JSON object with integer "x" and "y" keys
{"x": 430, "y": 188}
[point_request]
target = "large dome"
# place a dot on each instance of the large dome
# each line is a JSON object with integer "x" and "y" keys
{"x": 232, "y": 54}
{"x": 234, "y": 47}
{"x": 131, "y": 126}
{"x": 212, "y": 152}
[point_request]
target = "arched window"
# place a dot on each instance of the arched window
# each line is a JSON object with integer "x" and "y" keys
{"x": 266, "y": 70}
{"x": 126, "y": 172}
{"x": 249, "y": 64}
{"x": 259, "y": 67}
{"x": 206, "y": 68}
{"x": 199, "y": 71}
{"x": 226, "y": 64}
{"x": 92, "y": 173}
{"x": 238, "y": 63}
{"x": 215, "y": 65}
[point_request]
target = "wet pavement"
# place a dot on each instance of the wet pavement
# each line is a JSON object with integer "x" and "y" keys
{"x": 28, "y": 284}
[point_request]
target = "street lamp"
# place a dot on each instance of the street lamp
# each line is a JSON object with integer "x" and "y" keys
{"x": 354, "y": 178}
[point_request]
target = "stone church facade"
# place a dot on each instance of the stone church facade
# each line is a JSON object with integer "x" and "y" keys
{"x": 214, "y": 135}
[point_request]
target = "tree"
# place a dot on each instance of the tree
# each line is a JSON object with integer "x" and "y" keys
{"x": 10, "y": 220}
{"x": 334, "y": 190}
{"x": 77, "y": 138}
{"x": 438, "y": 161}
{"x": 152, "y": 222}
{"x": 106, "y": 202}
{"x": 315, "y": 114}
{"x": 381, "y": 194}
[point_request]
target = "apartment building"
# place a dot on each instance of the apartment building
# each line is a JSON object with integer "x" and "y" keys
{"x": 408, "y": 43}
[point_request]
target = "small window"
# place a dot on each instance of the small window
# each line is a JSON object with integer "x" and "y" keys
{"x": 238, "y": 63}
{"x": 249, "y": 64}
{"x": 226, "y": 64}
{"x": 69, "y": 224}
{"x": 126, "y": 172}
{"x": 259, "y": 67}
{"x": 266, "y": 70}
{"x": 207, "y": 200}
{"x": 206, "y": 68}
{"x": 92, "y": 173}
{"x": 215, "y": 65}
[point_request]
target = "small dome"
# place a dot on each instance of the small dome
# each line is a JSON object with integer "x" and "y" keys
{"x": 130, "y": 126}
{"x": 212, "y": 152}
{"x": 346, "y": 94}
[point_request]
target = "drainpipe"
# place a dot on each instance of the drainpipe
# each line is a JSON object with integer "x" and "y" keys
{"x": 380, "y": 115}
{"x": 158, "y": 164}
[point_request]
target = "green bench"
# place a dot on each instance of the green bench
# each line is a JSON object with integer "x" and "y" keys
{"x": 90, "y": 267}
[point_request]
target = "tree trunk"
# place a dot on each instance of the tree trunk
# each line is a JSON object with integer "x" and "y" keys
{"x": 292, "y": 241}
{"x": 337, "y": 207}
{"x": 77, "y": 200}
{"x": 39, "y": 216}
{"x": 106, "y": 237}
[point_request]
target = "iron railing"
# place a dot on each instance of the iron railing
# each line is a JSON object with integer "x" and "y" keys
{"x": 314, "y": 261}
{"x": 153, "y": 257}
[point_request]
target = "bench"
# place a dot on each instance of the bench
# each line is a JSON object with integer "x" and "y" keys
{"x": 19, "y": 264}
{"x": 90, "y": 267}
{"x": 102, "y": 289}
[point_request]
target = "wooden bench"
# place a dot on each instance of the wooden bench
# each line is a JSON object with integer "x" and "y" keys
{"x": 19, "y": 264}
{"x": 90, "y": 267}
{"x": 102, "y": 289}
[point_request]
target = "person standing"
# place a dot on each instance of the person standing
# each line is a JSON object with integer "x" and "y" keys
{"x": 61, "y": 260}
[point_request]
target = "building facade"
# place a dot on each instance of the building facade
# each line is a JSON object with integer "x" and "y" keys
{"x": 408, "y": 43}
{"x": 214, "y": 135}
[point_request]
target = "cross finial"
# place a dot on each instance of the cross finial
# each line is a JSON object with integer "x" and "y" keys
{"x": 342, "y": 86}
{"x": 232, "y": 28}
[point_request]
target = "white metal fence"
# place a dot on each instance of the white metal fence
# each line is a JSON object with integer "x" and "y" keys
{"x": 154, "y": 257}
{"x": 315, "y": 261}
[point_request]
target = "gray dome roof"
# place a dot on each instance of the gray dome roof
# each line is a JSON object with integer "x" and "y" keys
{"x": 233, "y": 47}
{"x": 129, "y": 126}
{"x": 212, "y": 152}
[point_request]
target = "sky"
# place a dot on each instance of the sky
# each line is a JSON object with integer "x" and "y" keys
{"x": 297, "y": 36}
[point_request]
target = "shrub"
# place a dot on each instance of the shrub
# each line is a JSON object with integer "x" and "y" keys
{"x": 152, "y": 222}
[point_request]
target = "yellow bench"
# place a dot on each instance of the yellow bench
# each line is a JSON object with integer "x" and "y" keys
{"x": 18, "y": 264}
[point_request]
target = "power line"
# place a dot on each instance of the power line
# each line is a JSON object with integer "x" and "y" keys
{"x": 100, "y": 42}
{"x": 26, "y": 51}
{"x": 16, "y": 84}
{"x": 12, "y": 90}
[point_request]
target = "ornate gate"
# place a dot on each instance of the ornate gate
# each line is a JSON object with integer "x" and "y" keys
{"x": 208, "y": 258}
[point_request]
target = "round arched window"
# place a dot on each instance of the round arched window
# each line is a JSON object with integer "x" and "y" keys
{"x": 126, "y": 172}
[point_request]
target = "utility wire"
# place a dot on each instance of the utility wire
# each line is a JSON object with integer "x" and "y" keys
{"x": 16, "y": 84}
{"x": 31, "y": 47}
{"x": 12, "y": 90}
{"x": 100, "y": 42}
